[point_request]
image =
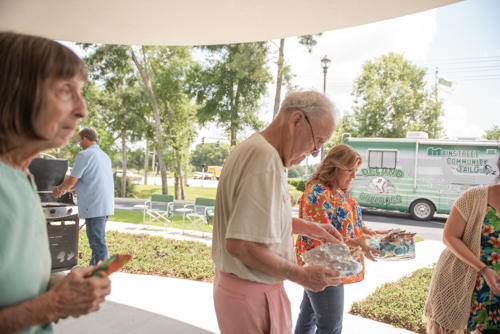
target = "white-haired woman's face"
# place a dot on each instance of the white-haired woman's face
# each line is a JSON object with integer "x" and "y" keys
{"x": 62, "y": 109}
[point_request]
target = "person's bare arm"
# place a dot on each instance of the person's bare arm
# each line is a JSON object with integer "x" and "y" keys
{"x": 259, "y": 257}
{"x": 322, "y": 232}
{"x": 72, "y": 295}
{"x": 452, "y": 238}
{"x": 67, "y": 185}
{"x": 54, "y": 279}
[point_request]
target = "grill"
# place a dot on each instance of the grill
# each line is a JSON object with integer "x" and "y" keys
{"x": 61, "y": 213}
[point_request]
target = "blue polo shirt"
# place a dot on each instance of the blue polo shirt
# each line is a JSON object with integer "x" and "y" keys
{"x": 95, "y": 186}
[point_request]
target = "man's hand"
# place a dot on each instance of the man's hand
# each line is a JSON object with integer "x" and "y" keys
{"x": 76, "y": 295}
{"x": 323, "y": 232}
{"x": 56, "y": 193}
{"x": 317, "y": 278}
{"x": 64, "y": 187}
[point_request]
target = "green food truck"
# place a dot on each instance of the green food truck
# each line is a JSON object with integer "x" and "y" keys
{"x": 419, "y": 175}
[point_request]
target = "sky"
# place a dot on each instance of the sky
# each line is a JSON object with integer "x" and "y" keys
{"x": 462, "y": 40}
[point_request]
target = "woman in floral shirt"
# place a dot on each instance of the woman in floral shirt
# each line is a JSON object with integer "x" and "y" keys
{"x": 327, "y": 200}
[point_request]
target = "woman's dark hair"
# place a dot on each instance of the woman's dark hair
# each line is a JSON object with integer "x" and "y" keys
{"x": 26, "y": 62}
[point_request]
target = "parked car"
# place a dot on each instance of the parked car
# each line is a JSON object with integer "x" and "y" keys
{"x": 200, "y": 175}
{"x": 304, "y": 177}
{"x": 134, "y": 178}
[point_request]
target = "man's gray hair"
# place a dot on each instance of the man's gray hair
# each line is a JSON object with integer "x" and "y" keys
{"x": 314, "y": 104}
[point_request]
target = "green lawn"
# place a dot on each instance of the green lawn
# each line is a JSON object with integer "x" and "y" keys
{"x": 135, "y": 217}
{"x": 145, "y": 191}
{"x": 156, "y": 255}
{"x": 399, "y": 304}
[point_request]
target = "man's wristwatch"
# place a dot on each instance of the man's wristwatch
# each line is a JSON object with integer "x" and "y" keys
{"x": 59, "y": 190}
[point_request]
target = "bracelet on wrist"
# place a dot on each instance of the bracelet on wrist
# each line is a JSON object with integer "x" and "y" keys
{"x": 59, "y": 190}
{"x": 480, "y": 272}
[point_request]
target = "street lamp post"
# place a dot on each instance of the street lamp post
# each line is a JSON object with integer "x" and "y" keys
{"x": 325, "y": 63}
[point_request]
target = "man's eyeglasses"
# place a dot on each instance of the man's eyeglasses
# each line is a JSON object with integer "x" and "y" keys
{"x": 316, "y": 150}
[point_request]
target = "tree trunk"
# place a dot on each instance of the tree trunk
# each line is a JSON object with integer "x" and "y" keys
{"x": 234, "y": 111}
{"x": 146, "y": 163}
{"x": 180, "y": 173}
{"x": 124, "y": 164}
{"x": 153, "y": 162}
{"x": 147, "y": 82}
{"x": 281, "y": 62}
{"x": 181, "y": 176}
{"x": 176, "y": 188}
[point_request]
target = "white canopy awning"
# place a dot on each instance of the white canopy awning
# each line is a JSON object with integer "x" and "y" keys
{"x": 195, "y": 22}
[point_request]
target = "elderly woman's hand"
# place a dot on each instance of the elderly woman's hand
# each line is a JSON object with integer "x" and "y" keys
{"x": 76, "y": 295}
{"x": 365, "y": 248}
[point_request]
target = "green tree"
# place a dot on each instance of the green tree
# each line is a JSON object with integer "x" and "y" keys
{"x": 493, "y": 133}
{"x": 345, "y": 124}
{"x": 210, "y": 155}
{"x": 113, "y": 65}
{"x": 173, "y": 74}
{"x": 98, "y": 119}
{"x": 232, "y": 84}
{"x": 390, "y": 99}
{"x": 296, "y": 171}
{"x": 126, "y": 101}
{"x": 142, "y": 66}
{"x": 285, "y": 75}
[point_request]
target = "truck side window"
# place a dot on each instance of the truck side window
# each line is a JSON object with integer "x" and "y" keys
{"x": 382, "y": 159}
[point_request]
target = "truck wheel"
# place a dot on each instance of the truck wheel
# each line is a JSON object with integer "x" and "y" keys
{"x": 422, "y": 209}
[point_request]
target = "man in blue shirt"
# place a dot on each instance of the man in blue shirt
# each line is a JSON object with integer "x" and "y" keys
{"x": 92, "y": 178}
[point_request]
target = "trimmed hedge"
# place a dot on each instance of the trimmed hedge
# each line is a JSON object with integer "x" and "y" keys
{"x": 295, "y": 195}
{"x": 299, "y": 184}
{"x": 130, "y": 191}
{"x": 399, "y": 303}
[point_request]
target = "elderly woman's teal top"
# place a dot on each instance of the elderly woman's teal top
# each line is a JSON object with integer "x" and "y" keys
{"x": 25, "y": 259}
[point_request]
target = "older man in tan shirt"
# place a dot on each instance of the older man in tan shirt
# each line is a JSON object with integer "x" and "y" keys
{"x": 253, "y": 225}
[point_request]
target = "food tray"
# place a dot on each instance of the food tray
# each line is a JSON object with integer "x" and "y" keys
{"x": 334, "y": 257}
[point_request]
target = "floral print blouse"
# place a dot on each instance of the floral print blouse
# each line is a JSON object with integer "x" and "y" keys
{"x": 321, "y": 205}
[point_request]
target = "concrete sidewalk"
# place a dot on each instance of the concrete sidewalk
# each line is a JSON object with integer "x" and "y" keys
{"x": 152, "y": 304}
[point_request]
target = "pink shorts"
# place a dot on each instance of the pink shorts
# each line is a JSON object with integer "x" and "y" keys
{"x": 244, "y": 306}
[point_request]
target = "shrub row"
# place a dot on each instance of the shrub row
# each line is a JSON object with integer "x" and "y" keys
{"x": 400, "y": 303}
{"x": 130, "y": 190}
{"x": 299, "y": 184}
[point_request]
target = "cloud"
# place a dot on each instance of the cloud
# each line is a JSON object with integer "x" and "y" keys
{"x": 349, "y": 48}
{"x": 458, "y": 124}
